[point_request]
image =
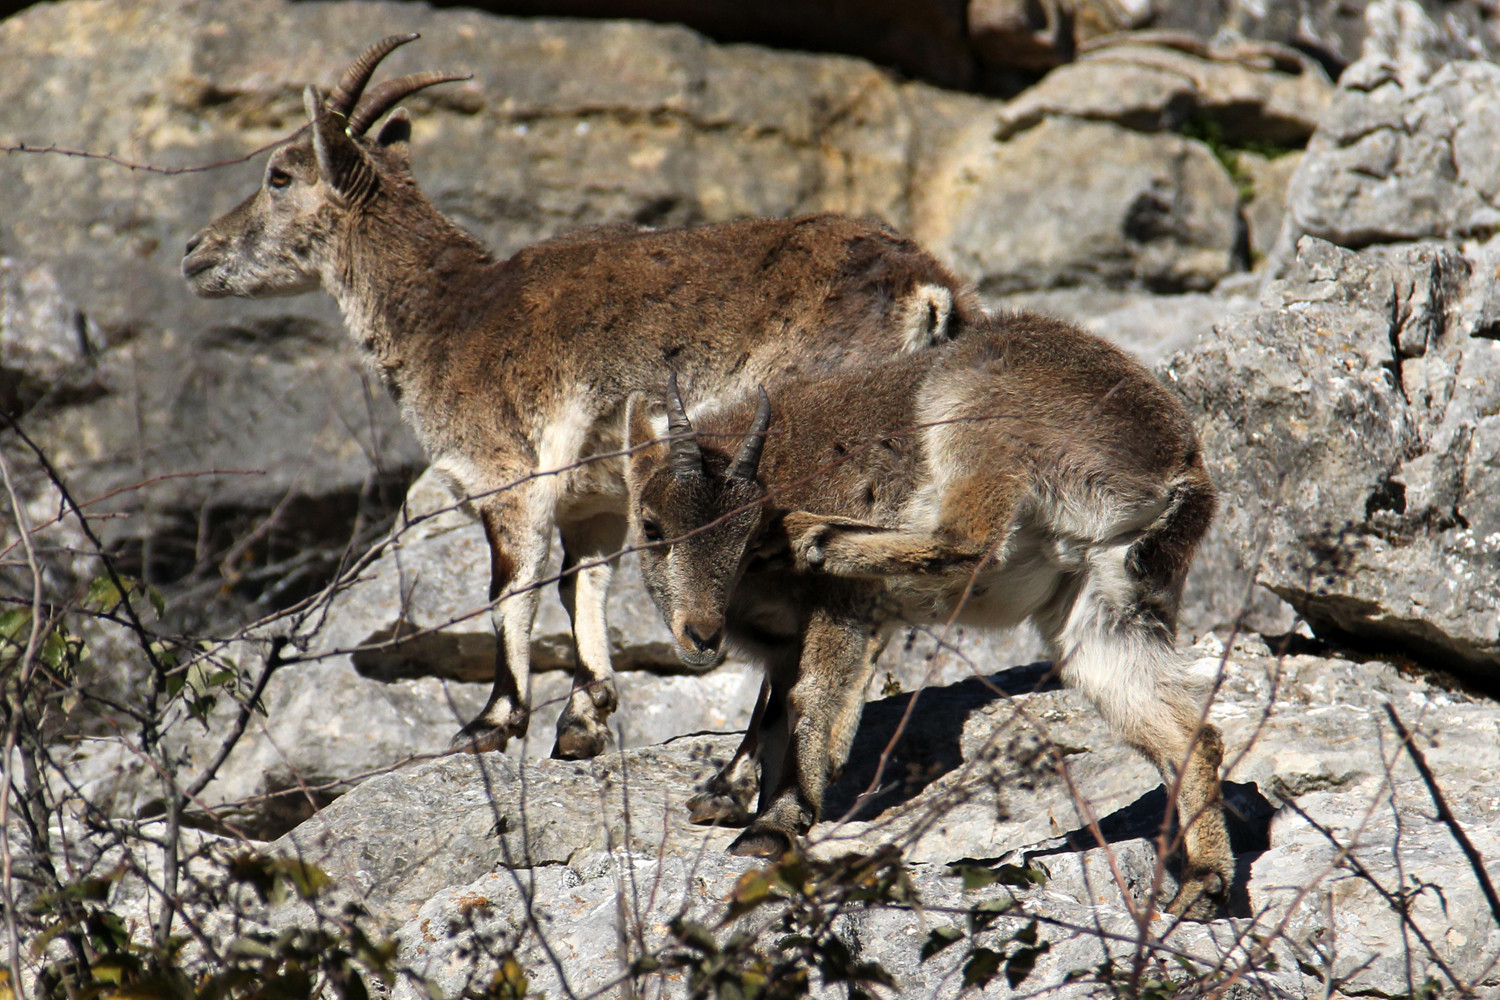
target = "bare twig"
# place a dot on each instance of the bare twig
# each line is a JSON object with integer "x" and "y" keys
{"x": 1445, "y": 813}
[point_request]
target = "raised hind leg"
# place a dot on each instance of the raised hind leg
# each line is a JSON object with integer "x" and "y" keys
{"x": 1122, "y": 658}
{"x": 975, "y": 518}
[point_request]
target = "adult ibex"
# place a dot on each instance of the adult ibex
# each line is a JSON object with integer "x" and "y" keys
{"x": 514, "y": 372}
{"x": 1027, "y": 471}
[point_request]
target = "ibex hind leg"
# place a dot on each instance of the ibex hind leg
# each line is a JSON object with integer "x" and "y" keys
{"x": 1123, "y": 659}
{"x": 516, "y": 564}
{"x": 589, "y": 551}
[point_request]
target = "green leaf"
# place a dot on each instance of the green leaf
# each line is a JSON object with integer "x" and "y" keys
{"x": 938, "y": 939}
{"x": 1018, "y": 876}
{"x": 974, "y": 876}
{"x": 15, "y": 625}
{"x": 104, "y": 595}
{"x": 307, "y": 879}
{"x": 695, "y": 936}
{"x": 751, "y": 890}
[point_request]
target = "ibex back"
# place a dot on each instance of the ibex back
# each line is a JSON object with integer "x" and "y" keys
{"x": 1027, "y": 471}
{"x": 514, "y": 372}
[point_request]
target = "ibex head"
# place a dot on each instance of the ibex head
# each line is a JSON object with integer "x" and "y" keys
{"x": 281, "y": 240}
{"x": 696, "y": 512}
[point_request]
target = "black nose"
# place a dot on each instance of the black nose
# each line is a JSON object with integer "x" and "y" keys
{"x": 703, "y": 643}
{"x": 192, "y": 244}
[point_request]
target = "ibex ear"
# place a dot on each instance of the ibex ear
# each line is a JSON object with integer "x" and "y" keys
{"x": 344, "y": 166}
{"x": 395, "y": 135}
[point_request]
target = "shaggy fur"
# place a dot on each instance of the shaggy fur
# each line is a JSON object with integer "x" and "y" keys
{"x": 1029, "y": 471}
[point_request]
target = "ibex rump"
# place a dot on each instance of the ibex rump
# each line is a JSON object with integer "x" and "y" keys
{"x": 514, "y": 372}
{"x": 1026, "y": 471}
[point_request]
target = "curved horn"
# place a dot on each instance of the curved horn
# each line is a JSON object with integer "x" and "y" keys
{"x": 747, "y": 462}
{"x": 686, "y": 459}
{"x": 352, "y": 83}
{"x": 388, "y": 94}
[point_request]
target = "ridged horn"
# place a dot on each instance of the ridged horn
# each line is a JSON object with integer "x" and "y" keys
{"x": 685, "y": 457}
{"x": 352, "y": 83}
{"x": 747, "y": 462}
{"x": 388, "y": 94}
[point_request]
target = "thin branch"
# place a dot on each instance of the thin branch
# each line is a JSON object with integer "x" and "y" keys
{"x": 149, "y": 168}
{"x": 1445, "y": 814}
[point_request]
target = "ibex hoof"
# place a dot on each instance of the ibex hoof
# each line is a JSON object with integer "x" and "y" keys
{"x": 754, "y": 843}
{"x": 1201, "y": 897}
{"x": 575, "y": 745}
{"x": 807, "y": 534}
{"x": 577, "y": 739}
{"x": 717, "y": 809}
{"x": 483, "y": 739}
{"x": 485, "y": 734}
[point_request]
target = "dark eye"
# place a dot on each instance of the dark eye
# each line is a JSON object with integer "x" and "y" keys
{"x": 277, "y": 178}
{"x": 651, "y": 530}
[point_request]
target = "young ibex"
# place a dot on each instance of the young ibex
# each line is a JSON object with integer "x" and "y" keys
{"x": 514, "y": 372}
{"x": 1027, "y": 471}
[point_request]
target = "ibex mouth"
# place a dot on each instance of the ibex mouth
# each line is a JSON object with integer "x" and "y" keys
{"x": 198, "y": 271}
{"x": 191, "y": 268}
{"x": 701, "y": 659}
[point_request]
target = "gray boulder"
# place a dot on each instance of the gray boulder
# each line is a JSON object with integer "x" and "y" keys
{"x": 1157, "y": 211}
{"x": 1153, "y": 87}
{"x": 1402, "y": 160}
{"x": 1342, "y": 421}
{"x": 1017, "y": 34}
{"x": 577, "y": 869}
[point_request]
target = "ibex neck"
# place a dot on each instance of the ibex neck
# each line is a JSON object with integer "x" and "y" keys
{"x": 402, "y": 281}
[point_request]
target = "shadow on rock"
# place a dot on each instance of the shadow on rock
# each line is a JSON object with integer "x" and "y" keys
{"x": 1247, "y": 813}
{"x": 929, "y": 745}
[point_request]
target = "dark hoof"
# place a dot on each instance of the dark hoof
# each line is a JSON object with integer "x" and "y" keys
{"x": 479, "y": 739}
{"x": 761, "y": 844}
{"x": 1202, "y": 897}
{"x": 717, "y": 809}
{"x": 578, "y": 743}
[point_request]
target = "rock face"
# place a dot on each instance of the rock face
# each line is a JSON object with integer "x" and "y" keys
{"x": 1348, "y": 407}
{"x": 1351, "y": 418}
{"x": 577, "y": 870}
{"x": 218, "y": 420}
{"x": 1398, "y": 162}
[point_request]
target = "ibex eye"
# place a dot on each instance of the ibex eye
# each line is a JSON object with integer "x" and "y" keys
{"x": 651, "y": 530}
{"x": 278, "y": 178}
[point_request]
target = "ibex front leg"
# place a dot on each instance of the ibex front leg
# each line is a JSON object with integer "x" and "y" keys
{"x": 590, "y": 549}
{"x": 809, "y": 725}
{"x": 517, "y": 533}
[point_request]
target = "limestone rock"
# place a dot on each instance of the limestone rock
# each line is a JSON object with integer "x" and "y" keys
{"x": 518, "y": 853}
{"x": 1156, "y": 211}
{"x": 1338, "y": 421}
{"x": 1401, "y": 162}
{"x": 1155, "y": 87}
